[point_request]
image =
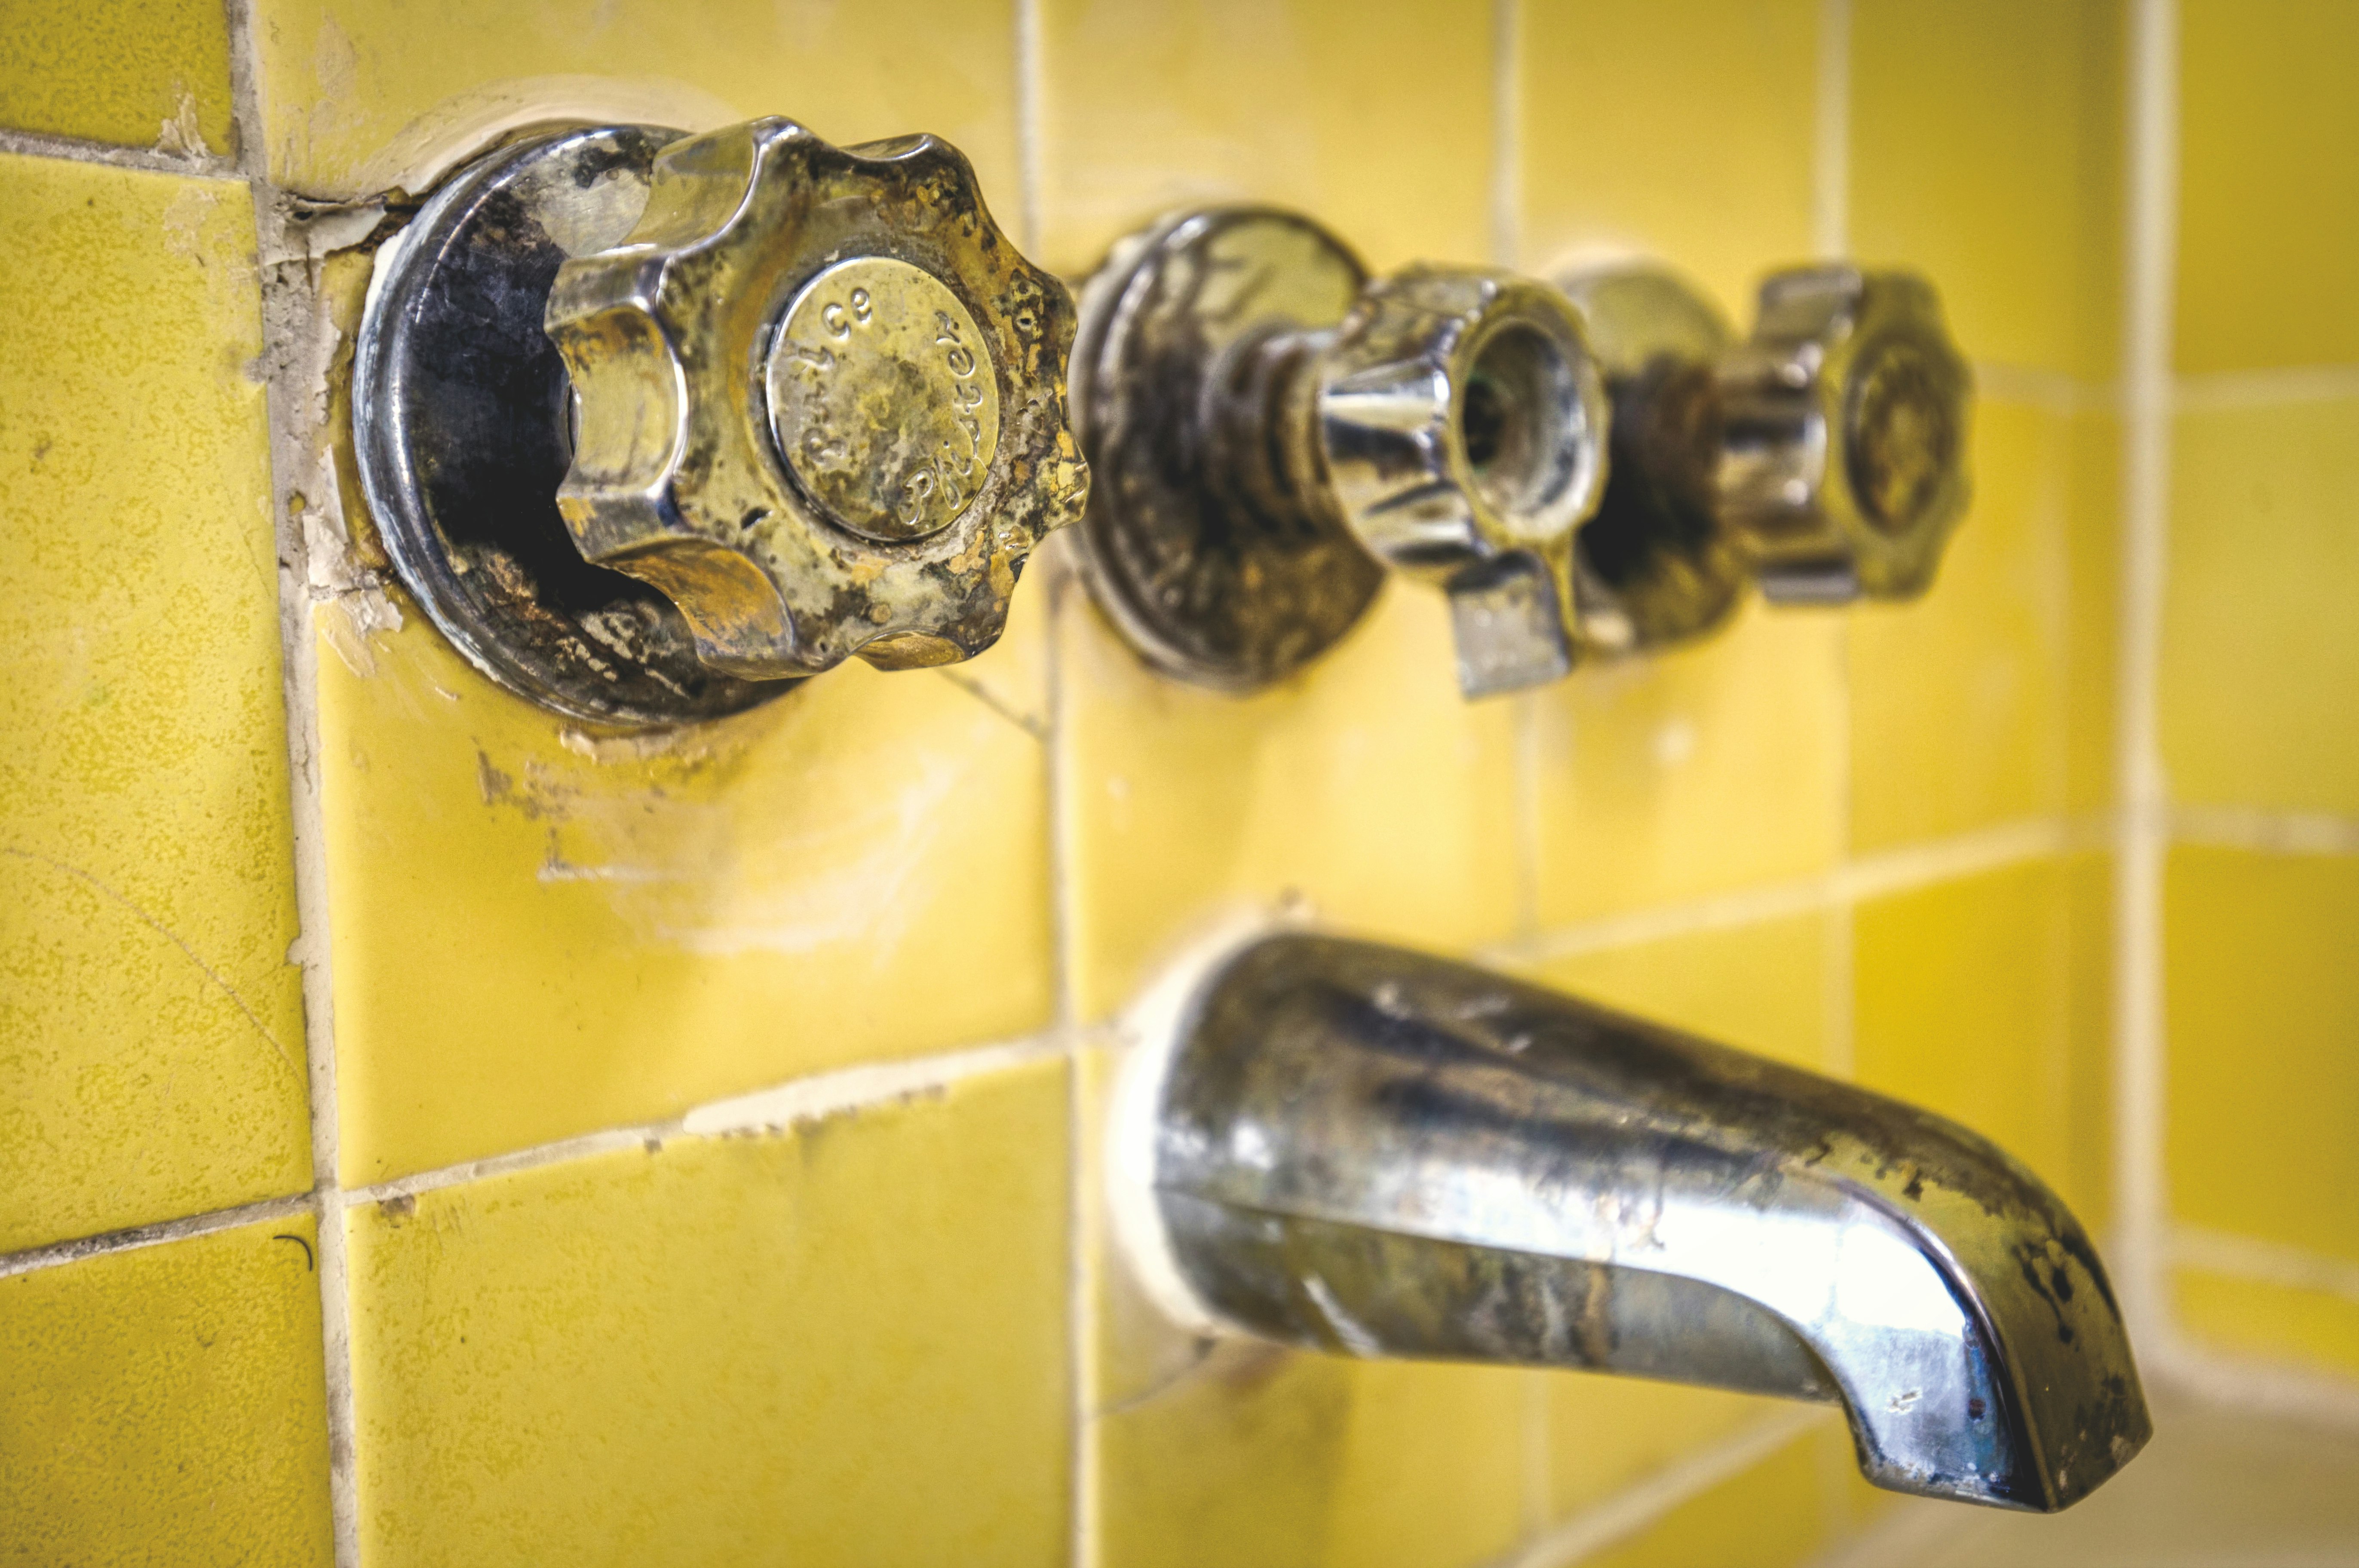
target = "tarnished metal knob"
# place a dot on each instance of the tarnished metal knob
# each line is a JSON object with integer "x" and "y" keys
{"x": 651, "y": 422}
{"x": 819, "y": 401}
{"x": 1269, "y": 430}
{"x": 1823, "y": 458}
{"x": 1843, "y": 435}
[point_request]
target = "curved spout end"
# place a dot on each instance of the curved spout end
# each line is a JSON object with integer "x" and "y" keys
{"x": 1372, "y": 1152}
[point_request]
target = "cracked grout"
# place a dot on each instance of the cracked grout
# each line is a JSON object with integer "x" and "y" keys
{"x": 145, "y": 160}
{"x": 132, "y": 1238}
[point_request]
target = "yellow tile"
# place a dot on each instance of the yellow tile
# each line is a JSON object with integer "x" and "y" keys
{"x": 539, "y": 933}
{"x": 1958, "y": 700}
{"x": 1965, "y": 1006}
{"x": 1760, "y": 987}
{"x": 1985, "y": 152}
{"x": 1683, "y": 130}
{"x": 2268, "y": 211}
{"x": 2260, "y": 647}
{"x": 1365, "y": 785}
{"x": 361, "y": 94}
{"x": 165, "y": 1404}
{"x": 2085, "y": 1179}
{"x": 2262, "y": 1000}
{"x": 1606, "y": 1434}
{"x": 2267, "y": 1321}
{"x": 1263, "y": 1455}
{"x": 2092, "y": 530}
{"x": 1781, "y": 1510}
{"x": 1335, "y": 109}
{"x": 850, "y": 1338}
{"x": 155, "y": 74}
{"x": 151, "y": 1032}
{"x": 1694, "y": 772}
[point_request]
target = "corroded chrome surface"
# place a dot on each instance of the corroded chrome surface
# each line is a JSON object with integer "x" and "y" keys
{"x": 1211, "y": 550}
{"x": 1367, "y": 1151}
{"x": 1268, "y": 430}
{"x": 460, "y": 432}
{"x": 799, "y": 478}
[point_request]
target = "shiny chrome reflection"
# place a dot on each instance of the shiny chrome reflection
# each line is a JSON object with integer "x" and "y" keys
{"x": 1367, "y": 1150}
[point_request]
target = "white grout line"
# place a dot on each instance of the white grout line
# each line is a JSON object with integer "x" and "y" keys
{"x": 1870, "y": 876}
{"x": 2301, "y": 1394}
{"x": 1081, "y": 1299}
{"x": 781, "y": 1107}
{"x": 1506, "y": 131}
{"x": 2267, "y": 388}
{"x": 1831, "y": 234}
{"x": 2033, "y": 386}
{"x": 288, "y": 410}
{"x": 1634, "y": 1508}
{"x": 53, "y": 1253}
{"x": 2140, "y": 793}
{"x": 1031, "y": 147}
{"x": 2264, "y": 832}
{"x": 147, "y": 160}
{"x": 2268, "y": 1262}
{"x": 1831, "y": 159}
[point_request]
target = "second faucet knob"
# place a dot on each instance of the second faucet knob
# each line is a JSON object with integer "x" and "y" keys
{"x": 1269, "y": 429}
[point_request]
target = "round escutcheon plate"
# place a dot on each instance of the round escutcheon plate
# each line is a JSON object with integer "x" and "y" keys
{"x": 462, "y": 419}
{"x": 1206, "y": 585}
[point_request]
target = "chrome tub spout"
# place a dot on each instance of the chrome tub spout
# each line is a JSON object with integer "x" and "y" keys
{"x": 1370, "y": 1152}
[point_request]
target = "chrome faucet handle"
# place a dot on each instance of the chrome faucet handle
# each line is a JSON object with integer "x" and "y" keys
{"x": 1271, "y": 430}
{"x": 648, "y": 422}
{"x": 820, "y": 401}
{"x": 1843, "y": 435}
{"x": 1823, "y": 457}
{"x": 1362, "y": 1149}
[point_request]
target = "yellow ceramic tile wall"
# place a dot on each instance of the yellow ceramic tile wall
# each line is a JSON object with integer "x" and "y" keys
{"x": 1965, "y": 1006}
{"x": 1782, "y": 1511}
{"x": 2269, "y": 201}
{"x": 151, "y": 1032}
{"x": 1985, "y": 152}
{"x": 155, "y": 74}
{"x": 1604, "y": 1433}
{"x": 1958, "y": 700}
{"x": 2260, "y": 649}
{"x": 361, "y": 94}
{"x": 1685, "y": 130}
{"x": 1692, "y": 771}
{"x": 1761, "y": 986}
{"x": 1336, "y": 109}
{"x": 165, "y": 1404}
{"x": 2258, "y": 969}
{"x": 1365, "y": 785}
{"x": 2092, "y": 530}
{"x": 2273, "y": 1322}
{"x": 539, "y": 933}
{"x": 1263, "y": 1455}
{"x": 846, "y": 1344}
